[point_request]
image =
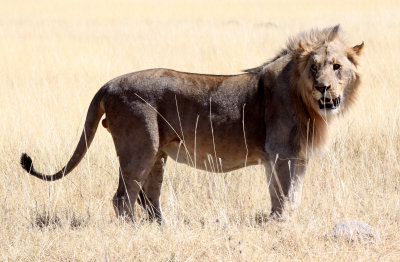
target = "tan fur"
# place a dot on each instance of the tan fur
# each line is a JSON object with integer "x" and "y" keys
{"x": 330, "y": 45}
{"x": 269, "y": 115}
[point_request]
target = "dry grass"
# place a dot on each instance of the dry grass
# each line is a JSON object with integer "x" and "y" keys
{"x": 56, "y": 54}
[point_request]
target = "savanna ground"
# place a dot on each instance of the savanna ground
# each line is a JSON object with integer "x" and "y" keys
{"x": 54, "y": 55}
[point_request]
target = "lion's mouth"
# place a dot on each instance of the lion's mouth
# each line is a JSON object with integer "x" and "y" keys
{"x": 329, "y": 103}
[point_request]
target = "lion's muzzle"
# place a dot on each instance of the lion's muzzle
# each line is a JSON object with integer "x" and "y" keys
{"x": 323, "y": 89}
{"x": 329, "y": 103}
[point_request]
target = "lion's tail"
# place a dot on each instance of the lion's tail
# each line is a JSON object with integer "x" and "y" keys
{"x": 95, "y": 112}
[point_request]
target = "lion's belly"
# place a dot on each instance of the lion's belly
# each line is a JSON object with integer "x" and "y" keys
{"x": 210, "y": 160}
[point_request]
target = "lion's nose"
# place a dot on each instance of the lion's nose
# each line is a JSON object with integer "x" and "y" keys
{"x": 323, "y": 89}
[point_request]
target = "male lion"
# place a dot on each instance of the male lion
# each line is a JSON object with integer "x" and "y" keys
{"x": 275, "y": 114}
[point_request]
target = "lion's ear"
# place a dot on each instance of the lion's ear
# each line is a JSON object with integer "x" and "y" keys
{"x": 354, "y": 52}
{"x": 334, "y": 32}
{"x": 358, "y": 48}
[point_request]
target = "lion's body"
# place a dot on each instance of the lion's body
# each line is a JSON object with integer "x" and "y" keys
{"x": 174, "y": 107}
{"x": 271, "y": 115}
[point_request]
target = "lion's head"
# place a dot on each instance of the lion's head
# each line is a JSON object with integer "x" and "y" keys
{"x": 327, "y": 75}
{"x": 322, "y": 71}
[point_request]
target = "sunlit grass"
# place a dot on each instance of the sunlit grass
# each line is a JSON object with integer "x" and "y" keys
{"x": 54, "y": 57}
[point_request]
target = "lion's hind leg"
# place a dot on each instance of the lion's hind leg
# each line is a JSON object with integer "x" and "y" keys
{"x": 137, "y": 151}
{"x": 125, "y": 197}
{"x": 149, "y": 196}
{"x": 133, "y": 174}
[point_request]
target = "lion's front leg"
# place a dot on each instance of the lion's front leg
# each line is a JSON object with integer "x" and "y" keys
{"x": 285, "y": 180}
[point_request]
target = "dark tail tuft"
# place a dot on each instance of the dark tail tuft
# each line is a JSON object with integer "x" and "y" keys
{"x": 26, "y": 162}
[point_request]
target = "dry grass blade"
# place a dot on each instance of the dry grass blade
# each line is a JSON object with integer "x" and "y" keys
{"x": 56, "y": 54}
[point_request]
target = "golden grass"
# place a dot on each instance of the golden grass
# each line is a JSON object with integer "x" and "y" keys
{"x": 56, "y": 54}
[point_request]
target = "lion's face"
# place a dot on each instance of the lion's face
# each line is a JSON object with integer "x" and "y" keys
{"x": 330, "y": 75}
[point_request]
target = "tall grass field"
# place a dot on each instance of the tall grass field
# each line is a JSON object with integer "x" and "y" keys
{"x": 55, "y": 55}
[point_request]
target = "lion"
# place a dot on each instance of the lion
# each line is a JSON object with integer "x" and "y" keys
{"x": 278, "y": 114}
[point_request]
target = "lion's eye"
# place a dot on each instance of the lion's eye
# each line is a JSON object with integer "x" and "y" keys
{"x": 336, "y": 66}
{"x": 314, "y": 67}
